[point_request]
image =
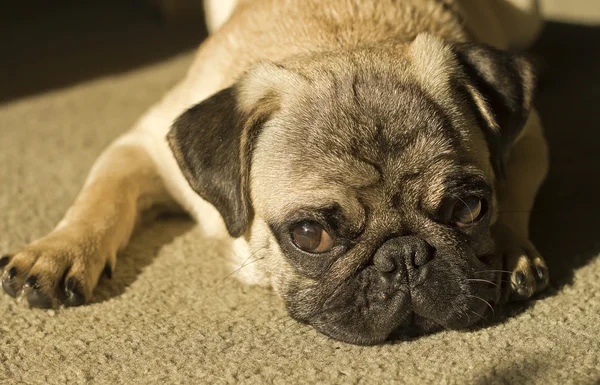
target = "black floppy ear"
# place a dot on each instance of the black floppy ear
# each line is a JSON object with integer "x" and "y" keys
{"x": 500, "y": 85}
{"x": 206, "y": 142}
{"x": 213, "y": 141}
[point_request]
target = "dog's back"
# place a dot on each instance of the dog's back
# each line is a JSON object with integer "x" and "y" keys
{"x": 248, "y": 31}
{"x": 502, "y": 23}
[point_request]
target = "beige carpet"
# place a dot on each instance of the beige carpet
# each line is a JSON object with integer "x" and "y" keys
{"x": 69, "y": 85}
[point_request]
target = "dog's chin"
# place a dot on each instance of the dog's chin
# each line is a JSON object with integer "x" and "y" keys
{"x": 410, "y": 326}
{"x": 400, "y": 321}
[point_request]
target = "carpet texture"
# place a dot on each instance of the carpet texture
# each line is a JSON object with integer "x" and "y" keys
{"x": 173, "y": 313}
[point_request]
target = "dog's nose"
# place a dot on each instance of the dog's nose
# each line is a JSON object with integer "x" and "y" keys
{"x": 413, "y": 252}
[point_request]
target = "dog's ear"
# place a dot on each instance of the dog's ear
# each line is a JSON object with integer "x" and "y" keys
{"x": 500, "y": 86}
{"x": 213, "y": 140}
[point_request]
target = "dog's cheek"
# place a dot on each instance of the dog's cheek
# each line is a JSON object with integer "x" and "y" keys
{"x": 255, "y": 256}
{"x": 282, "y": 274}
{"x": 270, "y": 265}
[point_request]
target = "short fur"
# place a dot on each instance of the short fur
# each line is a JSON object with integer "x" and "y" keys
{"x": 371, "y": 118}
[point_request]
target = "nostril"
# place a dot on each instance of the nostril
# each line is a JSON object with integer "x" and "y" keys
{"x": 420, "y": 259}
{"x": 422, "y": 256}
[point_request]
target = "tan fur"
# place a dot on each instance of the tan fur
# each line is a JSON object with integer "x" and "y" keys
{"x": 121, "y": 185}
{"x": 527, "y": 168}
{"x": 139, "y": 171}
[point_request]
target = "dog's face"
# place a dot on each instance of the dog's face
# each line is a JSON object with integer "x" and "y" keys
{"x": 366, "y": 179}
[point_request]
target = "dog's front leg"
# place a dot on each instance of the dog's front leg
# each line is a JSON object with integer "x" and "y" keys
{"x": 527, "y": 167}
{"x": 65, "y": 266}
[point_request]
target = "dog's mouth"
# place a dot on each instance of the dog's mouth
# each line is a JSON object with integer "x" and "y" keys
{"x": 406, "y": 314}
{"x": 417, "y": 326}
{"x": 414, "y": 327}
{"x": 351, "y": 326}
{"x": 377, "y": 304}
{"x": 410, "y": 327}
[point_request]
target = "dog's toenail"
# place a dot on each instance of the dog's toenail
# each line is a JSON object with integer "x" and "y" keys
{"x": 520, "y": 278}
{"x": 70, "y": 285}
{"x": 73, "y": 294}
{"x": 12, "y": 272}
{"x": 4, "y": 261}
{"x": 7, "y": 283}
{"x": 38, "y": 299}
{"x": 541, "y": 272}
{"x": 32, "y": 282}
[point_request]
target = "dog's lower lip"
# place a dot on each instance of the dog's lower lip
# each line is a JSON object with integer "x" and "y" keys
{"x": 408, "y": 330}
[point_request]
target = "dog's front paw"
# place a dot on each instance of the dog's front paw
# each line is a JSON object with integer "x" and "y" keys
{"x": 527, "y": 271}
{"x": 60, "y": 269}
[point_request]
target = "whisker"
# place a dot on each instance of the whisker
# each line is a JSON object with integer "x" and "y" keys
{"x": 493, "y": 271}
{"x": 479, "y": 315}
{"x": 481, "y": 280}
{"x": 520, "y": 211}
{"x": 244, "y": 264}
{"x": 486, "y": 302}
{"x": 470, "y": 212}
{"x": 211, "y": 292}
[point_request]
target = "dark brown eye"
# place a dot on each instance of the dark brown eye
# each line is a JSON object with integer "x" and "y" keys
{"x": 468, "y": 211}
{"x": 312, "y": 238}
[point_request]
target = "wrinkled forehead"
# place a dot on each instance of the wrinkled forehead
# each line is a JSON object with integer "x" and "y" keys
{"x": 355, "y": 133}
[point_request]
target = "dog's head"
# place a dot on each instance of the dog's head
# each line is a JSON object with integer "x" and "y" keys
{"x": 369, "y": 178}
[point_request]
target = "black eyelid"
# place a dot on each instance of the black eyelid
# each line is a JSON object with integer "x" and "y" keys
{"x": 325, "y": 226}
{"x": 329, "y": 217}
{"x": 466, "y": 193}
{"x": 467, "y": 185}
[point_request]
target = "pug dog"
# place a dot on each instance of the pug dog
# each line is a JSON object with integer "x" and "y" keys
{"x": 377, "y": 159}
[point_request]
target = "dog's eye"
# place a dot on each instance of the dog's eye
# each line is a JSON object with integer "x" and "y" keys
{"x": 468, "y": 211}
{"x": 312, "y": 238}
